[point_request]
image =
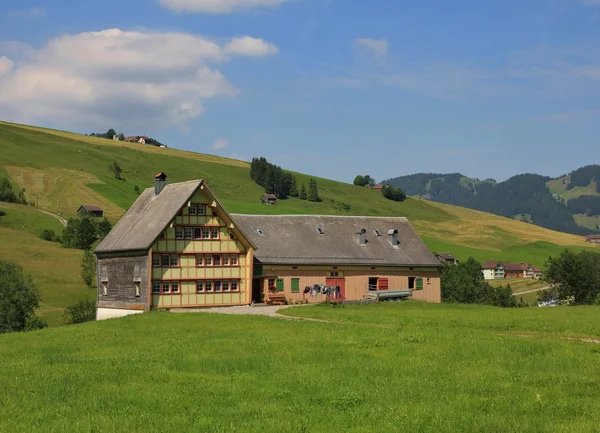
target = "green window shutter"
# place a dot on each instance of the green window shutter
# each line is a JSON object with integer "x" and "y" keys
{"x": 419, "y": 283}
{"x": 279, "y": 284}
{"x": 295, "y": 285}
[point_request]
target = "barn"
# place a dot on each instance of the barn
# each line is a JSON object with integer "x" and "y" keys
{"x": 178, "y": 247}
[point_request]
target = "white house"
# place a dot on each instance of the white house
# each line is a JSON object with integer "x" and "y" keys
{"x": 492, "y": 270}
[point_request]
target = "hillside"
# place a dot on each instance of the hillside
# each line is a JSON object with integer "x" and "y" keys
{"x": 61, "y": 170}
{"x": 352, "y": 370}
{"x": 569, "y": 204}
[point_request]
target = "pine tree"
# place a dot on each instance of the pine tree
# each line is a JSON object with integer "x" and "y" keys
{"x": 88, "y": 269}
{"x": 302, "y": 194}
{"x": 294, "y": 187}
{"x": 313, "y": 192}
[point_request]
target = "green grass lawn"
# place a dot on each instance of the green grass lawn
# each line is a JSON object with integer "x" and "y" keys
{"x": 518, "y": 284}
{"x": 387, "y": 367}
{"x": 28, "y": 219}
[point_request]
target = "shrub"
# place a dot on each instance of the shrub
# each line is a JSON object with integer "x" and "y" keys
{"x": 88, "y": 269}
{"x": 82, "y": 311}
{"x": 2, "y": 213}
{"x": 48, "y": 235}
{"x": 394, "y": 194}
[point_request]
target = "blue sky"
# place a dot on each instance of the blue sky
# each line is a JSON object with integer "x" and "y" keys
{"x": 327, "y": 87}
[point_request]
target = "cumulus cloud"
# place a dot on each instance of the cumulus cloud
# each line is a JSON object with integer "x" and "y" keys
{"x": 377, "y": 47}
{"x": 116, "y": 77}
{"x": 218, "y": 6}
{"x": 247, "y": 46}
{"x": 220, "y": 144}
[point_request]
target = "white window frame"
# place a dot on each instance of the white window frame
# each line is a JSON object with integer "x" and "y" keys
{"x": 234, "y": 260}
{"x": 225, "y": 285}
{"x": 156, "y": 287}
{"x": 205, "y": 232}
{"x": 199, "y": 263}
{"x": 175, "y": 286}
{"x": 156, "y": 261}
{"x": 225, "y": 259}
{"x": 236, "y": 284}
{"x": 208, "y": 286}
{"x": 174, "y": 263}
{"x": 165, "y": 263}
{"x": 179, "y": 233}
{"x": 192, "y": 210}
{"x": 213, "y": 231}
{"x": 201, "y": 210}
{"x": 208, "y": 260}
{"x": 200, "y": 283}
{"x": 188, "y": 232}
{"x": 162, "y": 287}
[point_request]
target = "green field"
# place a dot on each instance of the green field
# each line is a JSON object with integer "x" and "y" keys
{"x": 387, "y": 367}
{"x": 70, "y": 169}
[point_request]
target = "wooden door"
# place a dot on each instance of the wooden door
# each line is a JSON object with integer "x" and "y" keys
{"x": 337, "y": 282}
{"x": 382, "y": 284}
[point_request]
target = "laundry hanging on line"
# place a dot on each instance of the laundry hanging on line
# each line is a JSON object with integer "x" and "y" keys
{"x": 332, "y": 292}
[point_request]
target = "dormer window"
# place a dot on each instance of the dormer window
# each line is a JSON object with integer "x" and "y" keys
{"x": 320, "y": 230}
{"x": 260, "y": 232}
{"x": 377, "y": 232}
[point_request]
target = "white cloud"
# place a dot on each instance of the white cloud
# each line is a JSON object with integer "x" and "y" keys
{"x": 218, "y": 6}
{"x": 115, "y": 77}
{"x": 220, "y": 144}
{"x": 247, "y": 46}
{"x": 33, "y": 12}
{"x": 377, "y": 47}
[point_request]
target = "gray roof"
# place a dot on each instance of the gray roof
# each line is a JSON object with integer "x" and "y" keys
{"x": 147, "y": 217}
{"x": 294, "y": 239}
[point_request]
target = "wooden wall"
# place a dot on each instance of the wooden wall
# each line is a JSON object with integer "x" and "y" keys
{"x": 356, "y": 281}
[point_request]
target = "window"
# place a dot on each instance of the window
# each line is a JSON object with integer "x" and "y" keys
{"x": 377, "y": 232}
{"x": 165, "y": 260}
{"x": 334, "y": 274}
{"x": 216, "y": 260}
{"x": 178, "y": 232}
{"x": 156, "y": 260}
{"x": 208, "y": 260}
{"x": 428, "y": 280}
{"x": 225, "y": 259}
{"x": 411, "y": 282}
{"x": 165, "y": 287}
{"x": 175, "y": 286}
{"x": 199, "y": 286}
{"x": 234, "y": 260}
{"x": 174, "y": 260}
{"x": 188, "y": 232}
{"x": 208, "y": 286}
{"x": 197, "y": 233}
{"x": 295, "y": 285}
{"x": 199, "y": 260}
{"x": 192, "y": 210}
{"x": 320, "y": 230}
{"x": 201, "y": 209}
{"x": 105, "y": 288}
{"x": 225, "y": 286}
{"x": 234, "y": 286}
{"x": 271, "y": 283}
{"x": 206, "y": 232}
{"x": 155, "y": 286}
{"x": 214, "y": 232}
{"x": 217, "y": 286}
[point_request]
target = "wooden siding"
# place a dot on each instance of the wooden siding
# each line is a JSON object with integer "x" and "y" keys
{"x": 187, "y": 273}
{"x": 356, "y": 281}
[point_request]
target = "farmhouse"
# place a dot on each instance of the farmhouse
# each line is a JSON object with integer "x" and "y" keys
{"x": 593, "y": 239}
{"x": 269, "y": 199}
{"x": 492, "y": 269}
{"x": 447, "y": 258}
{"x": 90, "y": 209}
{"x": 513, "y": 270}
{"x": 178, "y": 247}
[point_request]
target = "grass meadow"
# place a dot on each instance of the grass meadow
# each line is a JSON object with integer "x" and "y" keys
{"x": 387, "y": 367}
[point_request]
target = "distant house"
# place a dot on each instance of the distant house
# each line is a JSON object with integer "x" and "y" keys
{"x": 492, "y": 270}
{"x": 513, "y": 270}
{"x": 527, "y": 270}
{"x": 447, "y": 258}
{"x": 377, "y": 187}
{"x": 537, "y": 272}
{"x": 90, "y": 209}
{"x": 593, "y": 239}
{"x": 268, "y": 199}
{"x": 115, "y": 137}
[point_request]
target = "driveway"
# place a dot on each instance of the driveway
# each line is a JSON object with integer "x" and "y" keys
{"x": 267, "y": 310}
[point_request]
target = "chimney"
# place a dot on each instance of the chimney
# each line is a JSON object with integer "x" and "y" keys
{"x": 361, "y": 236}
{"x": 160, "y": 181}
{"x": 393, "y": 237}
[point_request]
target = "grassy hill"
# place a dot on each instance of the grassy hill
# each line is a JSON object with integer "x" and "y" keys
{"x": 61, "y": 170}
{"x": 386, "y": 367}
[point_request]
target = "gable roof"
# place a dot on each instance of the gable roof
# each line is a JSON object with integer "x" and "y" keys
{"x": 147, "y": 217}
{"x": 446, "y": 256}
{"x": 490, "y": 264}
{"x": 295, "y": 239}
{"x": 510, "y": 266}
{"x": 270, "y": 196}
{"x": 91, "y": 207}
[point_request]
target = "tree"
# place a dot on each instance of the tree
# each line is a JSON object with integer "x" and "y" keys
{"x": 391, "y": 193}
{"x": 116, "y": 170}
{"x": 79, "y": 233}
{"x": 136, "y": 189}
{"x": 82, "y": 311}
{"x": 302, "y": 194}
{"x": 294, "y": 187}
{"x": 359, "y": 180}
{"x": 111, "y": 133}
{"x": 48, "y": 235}
{"x": 88, "y": 269}
{"x": 19, "y": 298}
{"x": 121, "y": 137}
{"x": 575, "y": 274}
{"x": 103, "y": 228}
{"x": 8, "y": 194}
{"x": 313, "y": 191}
{"x": 368, "y": 180}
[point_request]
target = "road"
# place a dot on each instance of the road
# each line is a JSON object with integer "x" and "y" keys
{"x": 62, "y": 220}
{"x": 531, "y": 291}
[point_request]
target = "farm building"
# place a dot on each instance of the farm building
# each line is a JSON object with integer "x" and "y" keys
{"x": 514, "y": 270}
{"x": 447, "y": 258}
{"x": 492, "y": 269}
{"x": 593, "y": 239}
{"x": 269, "y": 199}
{"x": 178, "y": 247}
{"x": 90, "y": 209}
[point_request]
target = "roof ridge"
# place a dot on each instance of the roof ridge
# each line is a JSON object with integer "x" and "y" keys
{"x": 317, "y": 215}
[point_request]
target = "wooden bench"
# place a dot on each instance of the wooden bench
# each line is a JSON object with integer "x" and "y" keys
{"x": 276, "y": 298}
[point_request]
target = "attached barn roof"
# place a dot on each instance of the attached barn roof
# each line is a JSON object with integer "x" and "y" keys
{"x": 333, "y": 240}
{"x": 490, "y": 264}
{"x": 91, "y": 207}
{"x": 510, "y": 266}
{"x": 147, "y": 217}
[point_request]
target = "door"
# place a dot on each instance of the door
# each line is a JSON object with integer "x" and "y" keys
{"x": 383, "y": 284}
{"x": 333, "y": 282}
{"x": 257, "y": 285}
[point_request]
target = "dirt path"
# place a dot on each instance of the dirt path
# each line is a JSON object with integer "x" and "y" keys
{"x": 62, "y": 220}
{"x": 531, "y": 291}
